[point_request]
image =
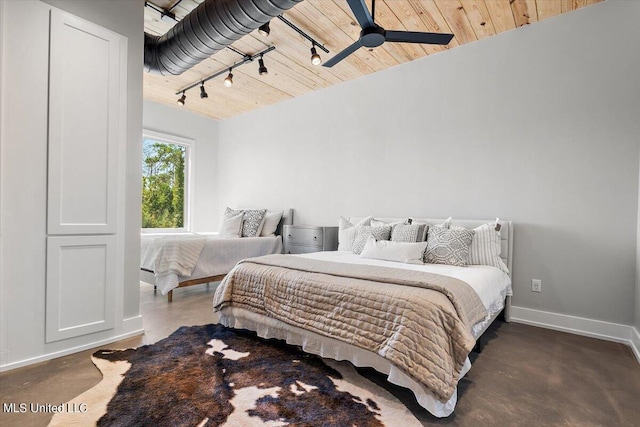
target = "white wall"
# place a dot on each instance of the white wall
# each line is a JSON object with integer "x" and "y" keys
{"x": 4, "y": 345}
{"x": 539, "y": 126}
{"x": 24, "y": 175}
{"x": 204, "y": 132}
{"x": 637, "y": 324}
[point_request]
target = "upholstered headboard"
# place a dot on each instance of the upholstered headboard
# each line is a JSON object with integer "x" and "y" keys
{"x": 287, "y": 219}
{"x": 506, "y": 232}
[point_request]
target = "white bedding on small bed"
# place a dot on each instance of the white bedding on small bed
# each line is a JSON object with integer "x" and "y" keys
{"x": 218, "y": 256}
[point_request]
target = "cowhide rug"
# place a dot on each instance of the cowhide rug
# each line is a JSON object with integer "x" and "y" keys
{"x": 215, "y": 376}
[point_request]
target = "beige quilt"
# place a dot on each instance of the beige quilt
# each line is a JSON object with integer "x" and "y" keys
{"x": 419, "y": 321}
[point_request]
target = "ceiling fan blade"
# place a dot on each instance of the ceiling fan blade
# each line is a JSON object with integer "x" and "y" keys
{"x": 417, "y": 37}
{"x": 359, "y": 9}
{"x": 340, "y": 56}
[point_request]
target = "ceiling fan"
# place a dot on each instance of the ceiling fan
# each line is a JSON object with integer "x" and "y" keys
{"x": 373, "y": 35}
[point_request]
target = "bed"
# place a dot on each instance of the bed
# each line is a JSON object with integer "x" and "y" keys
{"x": 294, "y": 322}
{"x": 209, "y": 257}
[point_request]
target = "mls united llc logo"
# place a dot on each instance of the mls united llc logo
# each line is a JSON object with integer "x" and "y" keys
{"x": 22, "y": 408}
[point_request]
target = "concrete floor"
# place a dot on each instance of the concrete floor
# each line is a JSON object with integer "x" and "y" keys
{"x": 525, "y": 376}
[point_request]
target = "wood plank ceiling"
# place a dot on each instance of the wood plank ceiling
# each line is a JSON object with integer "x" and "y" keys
{"x": 331, "y": 23}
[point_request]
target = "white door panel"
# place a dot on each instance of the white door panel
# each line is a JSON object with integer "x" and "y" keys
{"x": 84, "y": 127}
{"x": 80, "y": 285}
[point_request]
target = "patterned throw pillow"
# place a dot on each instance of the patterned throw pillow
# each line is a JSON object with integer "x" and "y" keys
{"x": 252, "y": 222}
{"x": 445, "y": 224}
{"x": 347, "y": 232}
{"x": 445, "y": 246}
{"x": 364, "y": 232}
{"x": 486, "y": 247}
{"x": 408, "y": 233}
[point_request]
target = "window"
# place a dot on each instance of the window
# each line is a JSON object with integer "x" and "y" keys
{"x": 166, "y": 171}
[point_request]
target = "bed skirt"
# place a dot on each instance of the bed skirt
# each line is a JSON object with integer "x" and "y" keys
{"x": 267, "y": 327}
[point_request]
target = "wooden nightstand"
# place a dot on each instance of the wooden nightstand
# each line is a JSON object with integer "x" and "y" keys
{"x": 303, "y": 239}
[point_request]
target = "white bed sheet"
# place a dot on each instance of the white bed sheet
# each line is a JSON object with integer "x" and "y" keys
{"x": 218, "y": 256}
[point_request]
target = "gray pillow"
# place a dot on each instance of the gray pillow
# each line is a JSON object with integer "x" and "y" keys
{"x": 448, "y": 246}
{"x": 364, "y": 232}
{"x": 252, "y": 222}
{"x": 409, "y": 233}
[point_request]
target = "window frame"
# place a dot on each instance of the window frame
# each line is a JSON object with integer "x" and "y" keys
{"x": 189, "y": 154}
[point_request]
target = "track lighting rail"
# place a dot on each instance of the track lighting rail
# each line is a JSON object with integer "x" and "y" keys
{"x": 174, "y": 5}
{"x": 247, "y": 58}
{"x": 313, "y": 41}
{"x": 264, "y": 30}
{"x": 233, "y": 49}
{"x": 154, "y": 7}
{"x": 166, "y": 15}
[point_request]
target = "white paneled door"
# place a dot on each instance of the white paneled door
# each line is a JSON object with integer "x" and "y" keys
{"x": 87, "y": 116}
{"x": 85, "y": 90}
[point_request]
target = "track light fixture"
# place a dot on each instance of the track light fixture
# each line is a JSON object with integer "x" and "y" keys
{"x": 182, "y": 99}
{"x": 168, "y": 17}
{"x": 203, "y": 93}
{"x": 228, "y": 81}
{"x": 264, "y": 30}
{"x": 262, "y": 70}
{"x": 315, "y": 58}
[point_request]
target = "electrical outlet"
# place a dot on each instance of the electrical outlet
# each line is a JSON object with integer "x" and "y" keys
{"x": 536, "y": 285}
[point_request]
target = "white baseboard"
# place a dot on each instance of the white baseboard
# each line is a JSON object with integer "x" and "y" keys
{"x": 635, "y": 342}
{"x": 608, "y": 331}
{"x": 132, "y": 321}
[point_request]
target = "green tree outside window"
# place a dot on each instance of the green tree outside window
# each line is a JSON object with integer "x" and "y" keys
{"x": 163, "y": 168}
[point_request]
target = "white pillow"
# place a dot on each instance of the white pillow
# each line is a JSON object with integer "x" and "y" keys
{"x": 347, "y": 232}
{"x": 231, "y": 226}
{"x": 271, "y": 221}
{"x": 378, "y": 223}
{"x": 485, "y": 247}
{"x": 409, "y": 253}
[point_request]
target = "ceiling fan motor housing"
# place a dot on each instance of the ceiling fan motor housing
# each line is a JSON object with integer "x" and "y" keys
{"x": 372, "y": 36}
